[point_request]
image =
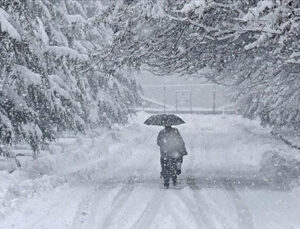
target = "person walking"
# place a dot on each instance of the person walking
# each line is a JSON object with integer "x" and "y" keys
{"x": 172, "y": 146}
{"x": 172, "y": 150}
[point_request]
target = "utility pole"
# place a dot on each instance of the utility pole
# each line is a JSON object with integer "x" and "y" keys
{"x": 214, "y": 98}
{"x": 165, "y": 89}
{"x": 176, "y": 97}
{"x": 191, "y": 103}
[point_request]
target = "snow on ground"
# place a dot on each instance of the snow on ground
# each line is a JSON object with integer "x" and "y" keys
{"x": 111, "y": 180}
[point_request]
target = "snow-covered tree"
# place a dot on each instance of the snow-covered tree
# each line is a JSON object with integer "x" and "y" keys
{"x": 272, "y": 91}
{"x": 49, "y": 80}
{"x": 252, "y": 46}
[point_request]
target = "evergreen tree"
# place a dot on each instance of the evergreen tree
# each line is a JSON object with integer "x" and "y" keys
{"x": 49, "y": 79}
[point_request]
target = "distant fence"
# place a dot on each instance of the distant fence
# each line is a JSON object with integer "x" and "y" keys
{"x": 185, "y": 98}
{"x": 204, "y": 112}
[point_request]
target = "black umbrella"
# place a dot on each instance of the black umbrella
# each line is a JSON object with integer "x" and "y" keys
{"x": 164, "y": 120}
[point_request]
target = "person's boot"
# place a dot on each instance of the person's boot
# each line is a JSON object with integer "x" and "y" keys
{"x": 166, "y": 183}
{"x": 178, "y": 168}
{"x": 166, "y": 186}
{"x": 174, "y": 179}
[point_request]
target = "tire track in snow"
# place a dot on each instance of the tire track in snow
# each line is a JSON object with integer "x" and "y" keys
{"x": 129, "y": 186}
{"x": 86, "y": 213}
{"x": 198, "y": 213}
{"x": 148, "y": 215}
{"x": 245, "y": 220}
{"x": 191, "y": 182}
{"x": 176, "y": 212}
{"x": 180, "y": 224}
{"x": 198, "y": 200}
{"x": 119, "y": 201}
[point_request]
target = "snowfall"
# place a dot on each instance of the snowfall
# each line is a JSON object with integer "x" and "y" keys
{"x": 111, "y": 179}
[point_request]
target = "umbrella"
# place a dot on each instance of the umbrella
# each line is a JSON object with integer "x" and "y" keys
{"x": 164, "y": 120}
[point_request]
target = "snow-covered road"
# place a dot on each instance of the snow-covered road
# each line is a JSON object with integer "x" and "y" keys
{"x": 112, "y": 181}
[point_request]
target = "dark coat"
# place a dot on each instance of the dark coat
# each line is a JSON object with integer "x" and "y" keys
{"x": 171, "y": 143}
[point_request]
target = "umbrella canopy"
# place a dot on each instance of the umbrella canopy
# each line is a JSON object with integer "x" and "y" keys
{"x": 164, "y": 120}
